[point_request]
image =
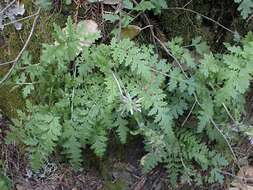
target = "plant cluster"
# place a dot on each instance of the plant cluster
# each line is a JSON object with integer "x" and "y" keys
{"x": 245, "y": 7}
{"x": 183, "y": 110}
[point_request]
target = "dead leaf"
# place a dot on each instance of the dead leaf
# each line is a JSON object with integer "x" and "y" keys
{"x": 91, "y": 27}
{"x": 85, "y": 27}
{"x": 131, "y": 31}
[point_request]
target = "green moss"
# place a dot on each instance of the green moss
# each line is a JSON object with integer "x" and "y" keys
{"x": 108, "y": 168}
{"x": 10, "y": 101}
{"x": 117, "y": 185}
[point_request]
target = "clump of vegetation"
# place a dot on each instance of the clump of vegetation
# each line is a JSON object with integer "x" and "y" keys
{"x": 81, "y": 93}
{"x": 187, "y": 108}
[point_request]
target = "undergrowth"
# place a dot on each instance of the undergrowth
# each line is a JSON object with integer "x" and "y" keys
{"x": 184, "y": 110}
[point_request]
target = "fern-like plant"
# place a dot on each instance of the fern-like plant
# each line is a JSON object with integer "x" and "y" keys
{"x": 245, "y": 7}
{"x": 79, "y": 94}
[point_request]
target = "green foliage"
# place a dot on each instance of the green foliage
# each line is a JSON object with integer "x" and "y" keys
{"x": 5, "y": 182}
{"x": 245, "y": 7}
{"x": 131, "y": 11}
{"x": 156, "y": 5}
{"x": 82, "y": 93}
{"x": 45, "y": 4}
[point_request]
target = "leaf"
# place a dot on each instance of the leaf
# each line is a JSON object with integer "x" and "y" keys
{"x": 68, "y": 2}
{"x": 205, "y": 115}
{"x": 200, "y": 46}
{"x": 111, "y": 17}
{"x": 27, "y": 90}
{"x": 126, "y": 20}
{"x": 149, "y": 161}
{"x": 128, "y": 4}
{"x": 85, "y": 29}
{"x": 131, "y": 31}
{"x": 208, "y": 65}
{"x": 159, "y": 5}
{"x": 245, "y": 7}
{"x": 144, "y": 5}
{"x": 122, "y": 129}
{"x": 45, "y": 4}
{"x": 99, "y": 145}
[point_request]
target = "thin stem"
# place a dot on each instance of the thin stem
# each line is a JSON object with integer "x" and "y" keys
{"x": 148, "y": 26}
{"x": 188, "y": 3}
{"x": 189, "y": 114}
{"x": 224, "y": 137}
{"x": 18, "y": 20}
{"x": 73, "y": 94}
{"x": 229, "y": 114}
{"x": 171, "y": 55}
{"x": 115, "y": 78}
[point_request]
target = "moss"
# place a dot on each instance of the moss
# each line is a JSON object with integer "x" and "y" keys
{"x": 107, "y": 170}
{"x": 10, "y": 101}
{"x": 117, "y": 185}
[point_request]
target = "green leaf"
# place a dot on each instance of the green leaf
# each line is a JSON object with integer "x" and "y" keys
{"x": 205, "y": 114}
{"x": 122, "y": 130}
{"x": 68, "y": 2}
{"x": 245, "y": 7}
{"x": 144, "y": 5}
{"x": 27, "y": 90}
{"x": 111, "y": 17}
{"x": 128, "y": 4}
{"x": 45, "y": 4}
